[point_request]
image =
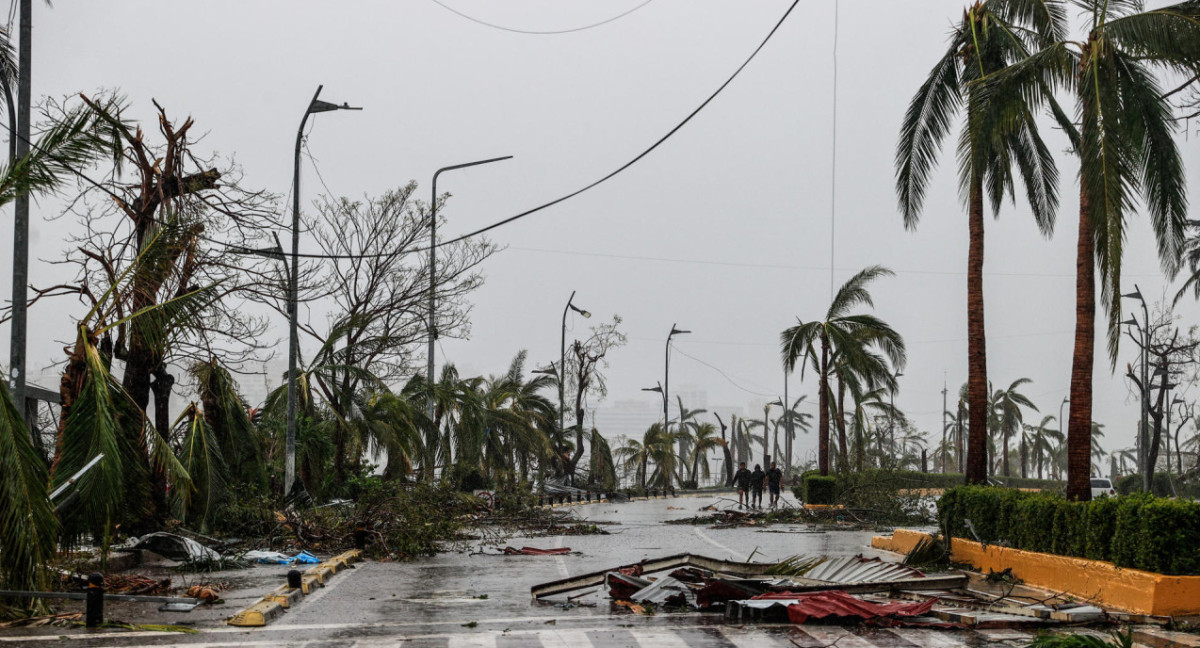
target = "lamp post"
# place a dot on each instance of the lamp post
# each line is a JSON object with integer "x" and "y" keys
{"x": 659, "y": 389}
{"x": 667, "y": 380}
{"x": 433, "y": 267}
{"x": 667, "y": 373}
{"x": 562, "y": 359}
{"x": 1143, "y": 436}
{"x": 314, "y": 106}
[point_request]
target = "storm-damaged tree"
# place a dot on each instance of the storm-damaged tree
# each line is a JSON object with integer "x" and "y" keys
{"x": 584, "y": 372}
{"x": 377, "y": 278}
{"x": 147, "y": 240}
{"x": 1173, "y": 358}
{"x": 999, "y": 132}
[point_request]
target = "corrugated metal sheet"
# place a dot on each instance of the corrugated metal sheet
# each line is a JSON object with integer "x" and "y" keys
{"x": 664, "y": 591}
{"x": 856, "y": 569}
{"x": 818, "y": 605}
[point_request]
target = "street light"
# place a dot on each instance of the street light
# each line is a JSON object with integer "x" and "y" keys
{"x": 1143, "y": 434}
{"x": 1061, "y": 424}
{"x": 659, "y": 390}
{"x": 562, "y": 359}
{"x": 314, "y": 106}
{"x": 667, "y": 382}
{"x": 433, "y": 265}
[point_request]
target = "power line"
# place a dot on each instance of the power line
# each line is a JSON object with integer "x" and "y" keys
{"x": 597, "y": 183}
{"x": 723, "y": 374}
{"x": 538, "y": 32}
{"x": 780, "y": 266}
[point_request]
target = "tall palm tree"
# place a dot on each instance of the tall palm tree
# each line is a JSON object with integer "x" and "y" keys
{"x": 1126, "y": 147}
{"x": 1042, "y": 441}
{"x": 998, "y": 133}
{"x": 862, "y": 343}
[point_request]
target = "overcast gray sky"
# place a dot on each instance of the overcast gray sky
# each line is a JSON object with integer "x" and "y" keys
{"x": 725, "y": 229}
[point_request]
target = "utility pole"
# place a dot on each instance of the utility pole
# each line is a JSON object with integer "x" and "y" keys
{"x": 20, "y": 273}
{"x": 945, "y": 391}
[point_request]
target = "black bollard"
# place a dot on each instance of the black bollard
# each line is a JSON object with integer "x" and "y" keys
{"x": 95, "y": 601}
{"x": 294, "y": 579}
{"x": 360, "y": 537}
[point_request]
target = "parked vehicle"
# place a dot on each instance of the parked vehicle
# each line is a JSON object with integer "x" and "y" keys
{"x": 1101, "y": 486}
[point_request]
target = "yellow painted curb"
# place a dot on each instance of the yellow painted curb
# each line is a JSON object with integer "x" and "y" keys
{"x": 1104, "y": 583}
{"x": 285, "y": 596}
{"x": 322, "y": 572}
{"x": 309, "y": 583}
{"x": 257, "y": 615}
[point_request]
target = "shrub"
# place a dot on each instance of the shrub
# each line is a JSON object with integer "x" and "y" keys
{"x": 1139, "y": 531}
{"x": 820, "y": 490}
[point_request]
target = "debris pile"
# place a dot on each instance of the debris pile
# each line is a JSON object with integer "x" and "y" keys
{"x": 824, "y": 590}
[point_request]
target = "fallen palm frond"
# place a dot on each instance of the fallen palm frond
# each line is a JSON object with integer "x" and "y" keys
{"x": 1119, "y": 640}
{"x": 28, "y": 528}
{"x": 928, "y": 552}
{"x": 796, "y": 566}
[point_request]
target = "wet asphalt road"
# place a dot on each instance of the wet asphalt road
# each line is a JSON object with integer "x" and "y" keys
{"x": 456, "y": 599}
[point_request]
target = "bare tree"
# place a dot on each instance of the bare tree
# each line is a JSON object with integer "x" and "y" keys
{"x": 585, "y": 379}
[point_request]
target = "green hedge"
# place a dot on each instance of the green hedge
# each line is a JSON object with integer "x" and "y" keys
{"x": 820, "y": 490}
{"x": 1163, "y": 485}
{"x": 1139, "y": 531}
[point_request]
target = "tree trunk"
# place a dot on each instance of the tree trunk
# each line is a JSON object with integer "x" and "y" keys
{"x": 823, "y": 417}
{"x": 1024, "y": 458}
{"x": 728, "y": 466}
{"x": 161, "y": 389}
{"x": 977, "y": 385}
{"x": 843, "y": 456}
{"x": 1079, "y": 426}
{"x": 1004, "y": 459}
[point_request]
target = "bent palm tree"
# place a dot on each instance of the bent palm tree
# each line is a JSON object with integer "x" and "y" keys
{"x": 1000, "y": 131}
{"x": 860, "y": 342}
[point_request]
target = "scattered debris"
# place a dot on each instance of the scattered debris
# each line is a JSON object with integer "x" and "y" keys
{"x": 135, "y": 584}
{"x": 206, "y": 593}
{"x": 818, "y": 589}
{"x": 832, "y": 603}
{"x": 65, "y": 619}
{"x": 175, "y": 547}
{"x": 534, "y": 551}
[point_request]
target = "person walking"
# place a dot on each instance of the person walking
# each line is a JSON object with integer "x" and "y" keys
{"x": 774, "y": 480}
{"x": 741, "y": 481}
{"x": 757, "y": 479}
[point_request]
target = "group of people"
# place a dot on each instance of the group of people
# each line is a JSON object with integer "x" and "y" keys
{"x": 750, "y": 485}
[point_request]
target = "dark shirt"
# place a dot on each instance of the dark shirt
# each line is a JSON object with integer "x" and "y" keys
{"x": 756, "y": 479}
{"x": 774, "y": 476}
{"x": 741, "y": 479}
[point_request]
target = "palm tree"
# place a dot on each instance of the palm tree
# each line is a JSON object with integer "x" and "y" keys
{"x": 862, "y": 343}
{"x": 1042, "y": 441}
{"x": 1126, "y": 147}
{"x": 999, "y": 132}
{"x": 704, "y": 440}
{"x": 1008, "y": 419}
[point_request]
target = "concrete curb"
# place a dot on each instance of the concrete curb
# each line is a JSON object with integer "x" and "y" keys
{"x": 257, "y": 615}
{"x": 274, "y": 604}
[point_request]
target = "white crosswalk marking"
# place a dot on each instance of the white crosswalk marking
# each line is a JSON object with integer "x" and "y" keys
{"x": 563, "y": 639}
{"x": 747, "y": 637}
{"x": 843, "y": 638}
{"x": 481, "y": 640}
{"x": 935, "y": 638}
{"x": 658, "y": 639}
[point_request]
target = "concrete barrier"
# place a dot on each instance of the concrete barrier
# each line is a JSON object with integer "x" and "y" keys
{"x": 1130, "y": 590}
{"x": 257, "y": 615}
